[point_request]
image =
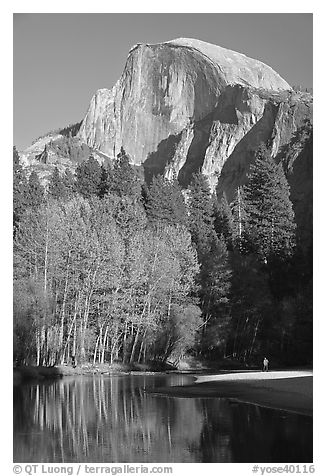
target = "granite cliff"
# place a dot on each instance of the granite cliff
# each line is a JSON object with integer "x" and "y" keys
{"x": 186, "y": 105}
{"x": 172, "y": 91}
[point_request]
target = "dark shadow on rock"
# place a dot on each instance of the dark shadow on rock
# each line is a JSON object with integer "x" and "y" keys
{"x": 158, "y": 160}
{"x": 196, "y": 151}
{"x": 224, "y": 113}
{"x": 236, "y": 168}
{"x": 300, "y": 178}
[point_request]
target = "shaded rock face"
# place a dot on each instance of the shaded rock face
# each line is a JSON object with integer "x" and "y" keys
{"x": 286, "y": 127}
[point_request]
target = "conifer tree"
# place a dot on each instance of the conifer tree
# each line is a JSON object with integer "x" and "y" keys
{"x": 104, "y": 185}
{"x": 57, "y": 188}
{"x": 124, "y": 180}
{"x": 240, "y": 239}
{"x": 271, "y": 222}
{"x": 69, "y": 183}
{"x": 200, "y": 209}
{"x": 19, "y": 188}
{"x": 88, "y": 177}
{"x": 213, "y": 281}
{"x": 35, "y": 191}
{"x": 223, "y": 219}
{"x": 165, "y": 202}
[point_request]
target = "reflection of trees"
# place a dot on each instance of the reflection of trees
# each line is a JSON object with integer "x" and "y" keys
{"x": 104, "y": 419}
{"x": 112, "y": 419}
{"x": 216, "y": 433}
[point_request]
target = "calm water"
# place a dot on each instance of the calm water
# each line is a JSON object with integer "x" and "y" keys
{"x": 112, "y": 419}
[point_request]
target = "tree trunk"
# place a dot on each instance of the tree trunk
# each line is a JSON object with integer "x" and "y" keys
{"x": 124, "y": 358}
{"x": 142, "y": 345}
{"x": 254, "y": 336}
{"x": 134, "y": 347}
{"x": 74, "y": 344}
{"x": 73, "y": 325}
{"x": 144, "y": 353}
{"x": 104, "y": 344}
{"x": 96, "y": 347}
{"x": 63, "y": 308}
{"x": 38, "y": 348}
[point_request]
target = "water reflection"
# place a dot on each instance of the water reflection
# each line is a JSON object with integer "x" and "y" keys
{"x": 112, "y": 419}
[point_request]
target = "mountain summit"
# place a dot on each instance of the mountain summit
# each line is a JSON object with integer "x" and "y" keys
{"x": 166, "y": 87}
{"x": 185, "y": 106}
{"x": 236, "y": 68}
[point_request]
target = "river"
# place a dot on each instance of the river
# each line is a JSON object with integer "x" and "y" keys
{"x": 112, "y": 419}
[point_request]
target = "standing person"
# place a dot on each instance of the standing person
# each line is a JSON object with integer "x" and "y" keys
{"x": 265, "y": 365}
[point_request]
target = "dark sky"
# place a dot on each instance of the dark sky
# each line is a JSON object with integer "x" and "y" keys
{"x": 60, "y": 60}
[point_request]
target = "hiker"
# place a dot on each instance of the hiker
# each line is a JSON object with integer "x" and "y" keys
{"x": 265, "y": 365}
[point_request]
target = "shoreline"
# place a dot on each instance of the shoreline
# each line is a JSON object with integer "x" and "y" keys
{"x": 40, "y": 373}
{"x": 286, "y": 391}
{"x": 33, "y": 372}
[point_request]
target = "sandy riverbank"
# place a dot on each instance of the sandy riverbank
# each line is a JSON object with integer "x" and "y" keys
{"x": 285, "y": 390}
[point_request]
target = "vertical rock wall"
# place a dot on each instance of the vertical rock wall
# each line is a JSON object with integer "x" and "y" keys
{"x": 166, "y": 87}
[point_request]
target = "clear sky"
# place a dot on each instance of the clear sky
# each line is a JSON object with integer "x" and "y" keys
{"x": 60, "y": 60}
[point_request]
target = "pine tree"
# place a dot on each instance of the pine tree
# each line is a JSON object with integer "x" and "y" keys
{"x": 200, "y": 209}
{"x": 57, "y": 188}
{"x": 271, "y": 223}
{"x": 223, "y": 219}
{"x": 124, "y": 180}
{"x": 69, "y": 183}
{"x": 240, "y": 239}
{"x": 35, "y": 191}
{"x": 104, "y": 185}
{"x": 213, "y": 280}
{"x": 165, "y": 202}
{"x": 88, "y": 178}
{"x": 19, "y": 189}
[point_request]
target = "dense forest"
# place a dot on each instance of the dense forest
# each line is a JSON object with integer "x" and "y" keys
{"x": 107, "y": 268}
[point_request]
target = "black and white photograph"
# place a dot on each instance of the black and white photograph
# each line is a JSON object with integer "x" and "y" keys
{"x": 162, "y": 242}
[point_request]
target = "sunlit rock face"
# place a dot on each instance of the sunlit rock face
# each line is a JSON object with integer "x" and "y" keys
{"x": 186, "y": 106}
{"x": 172, "y": 87}
{"x": 56, "y": 150}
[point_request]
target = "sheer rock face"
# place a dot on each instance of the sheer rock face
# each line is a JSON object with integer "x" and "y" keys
{"x": 185, "y": 106}
{"x": 169, "y": 87}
